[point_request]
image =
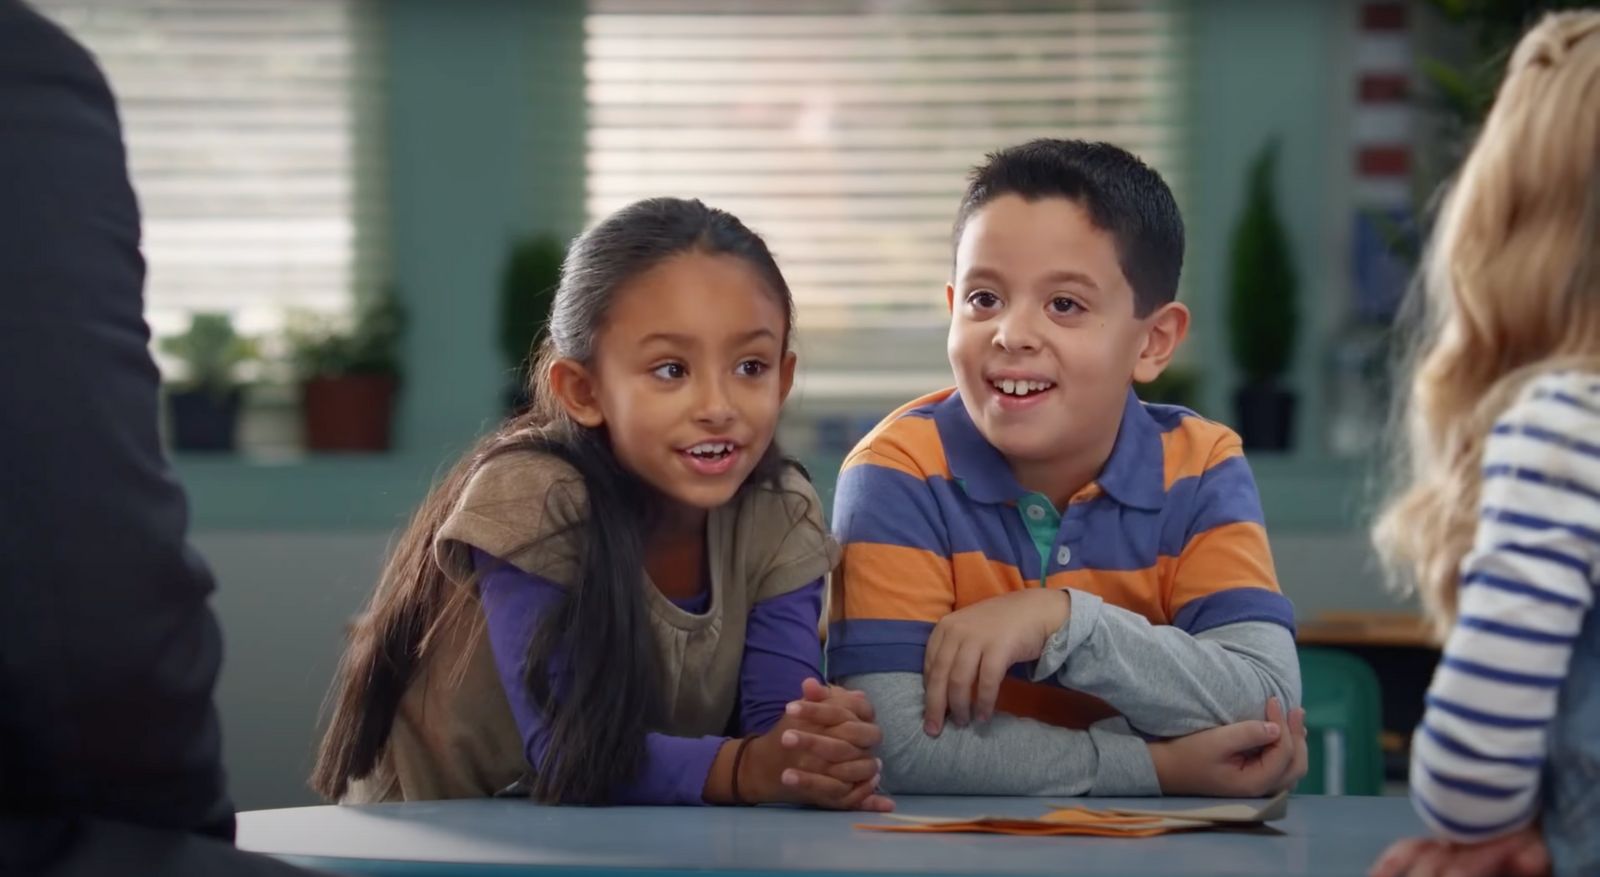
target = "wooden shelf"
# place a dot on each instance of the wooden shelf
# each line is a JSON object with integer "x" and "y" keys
{"x": 1402, "y": 629}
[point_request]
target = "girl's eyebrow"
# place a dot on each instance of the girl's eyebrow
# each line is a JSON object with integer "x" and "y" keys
{"x": 755, "y": 335}
{"x": 692, "y": 341}
{"x": 670, "y": 338}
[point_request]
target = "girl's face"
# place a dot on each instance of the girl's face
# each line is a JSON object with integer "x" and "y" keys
{"x": 688, "y": 376}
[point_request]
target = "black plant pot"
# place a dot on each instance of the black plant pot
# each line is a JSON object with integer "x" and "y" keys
{"x": 204, "y": 421}
{"x": 1265, "y": 417}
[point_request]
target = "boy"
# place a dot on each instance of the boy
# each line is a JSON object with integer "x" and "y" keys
{"x": 1159, "y": 614}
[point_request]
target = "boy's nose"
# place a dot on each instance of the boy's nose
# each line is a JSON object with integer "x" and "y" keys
{"x": 1014, "y": 334}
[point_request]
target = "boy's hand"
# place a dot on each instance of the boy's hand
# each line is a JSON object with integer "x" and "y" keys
{"x": 820, "y": 753}
{"x": 1520, "y": 854}
{"x": 1243, "y": 760}
{"x": 975, "y": 647}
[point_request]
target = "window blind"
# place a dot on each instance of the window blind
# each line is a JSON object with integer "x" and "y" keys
{"x": 843, "y": 130}
{"x": 254, "y": 134}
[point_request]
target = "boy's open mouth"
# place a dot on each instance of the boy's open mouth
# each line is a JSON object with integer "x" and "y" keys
{"x": 1021, "y": 389}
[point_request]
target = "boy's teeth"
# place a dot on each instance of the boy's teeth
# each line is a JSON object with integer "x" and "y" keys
{"x": 1012, "y": 387}
{"x": 706, "y": 449}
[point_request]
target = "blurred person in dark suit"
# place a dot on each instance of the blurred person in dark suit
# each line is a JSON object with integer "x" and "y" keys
{"x": 110, "y": 752}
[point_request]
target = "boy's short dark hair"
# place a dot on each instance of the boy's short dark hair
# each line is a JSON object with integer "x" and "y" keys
{"x": 1123, "y": 196}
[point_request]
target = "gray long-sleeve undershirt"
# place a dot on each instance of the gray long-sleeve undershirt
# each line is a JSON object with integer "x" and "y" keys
{"x": 1165, "y": 682}
{"x": 1007, "y": 755}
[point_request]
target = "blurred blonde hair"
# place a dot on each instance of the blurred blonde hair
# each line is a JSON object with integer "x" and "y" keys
{"x": 1510, "y": 289}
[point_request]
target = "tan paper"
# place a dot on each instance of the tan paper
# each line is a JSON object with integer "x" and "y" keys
{"x": 1079, "y": 820}
{"x": 1273, "y": 810}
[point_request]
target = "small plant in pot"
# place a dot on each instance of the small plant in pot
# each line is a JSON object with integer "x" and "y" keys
{"x": 527, "y": 288}
{"x": 1262, "y": 313}
{"x": 1177, "y": 385}
{"x": 349, "y": 373}
{"x": 203, "y": 408}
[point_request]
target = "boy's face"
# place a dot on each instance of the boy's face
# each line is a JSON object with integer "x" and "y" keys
{"x": 1043, "y": 335}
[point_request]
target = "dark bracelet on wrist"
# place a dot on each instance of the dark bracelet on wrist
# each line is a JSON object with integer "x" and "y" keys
{"x": 738, "y": 759}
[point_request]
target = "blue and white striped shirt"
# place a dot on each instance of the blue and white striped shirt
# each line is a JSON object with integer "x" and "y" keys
{"x": 1525, "y": 589}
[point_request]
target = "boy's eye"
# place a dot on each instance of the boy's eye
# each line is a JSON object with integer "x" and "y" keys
{"x": 752, "y": 368}
{"x": 671, "y": 371}
{"x": 983, "y": 300}
{"x": 1063, "y": 305}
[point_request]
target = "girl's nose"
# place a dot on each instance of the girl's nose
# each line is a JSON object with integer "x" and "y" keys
{"x": 713, "y": 408}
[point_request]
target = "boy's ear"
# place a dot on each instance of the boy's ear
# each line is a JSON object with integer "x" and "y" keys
{"x": 786, "y": 376}
{"x": 1164, "y": 332}
{"x": 950, "y": 297}
{"x": 575, "y": 388}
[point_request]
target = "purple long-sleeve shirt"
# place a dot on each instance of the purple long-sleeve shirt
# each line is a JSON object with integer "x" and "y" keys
{"x": 780, "y": 651}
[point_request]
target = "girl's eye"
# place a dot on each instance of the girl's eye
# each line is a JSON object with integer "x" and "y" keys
{"x": 983, "y": 300}
{"x": 752, "y": 368}
{"x": 1062, "y": 305}
{"x": 670, "y": 371}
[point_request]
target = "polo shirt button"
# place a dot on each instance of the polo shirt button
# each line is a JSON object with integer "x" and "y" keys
{"x": 1063, "y": 556}
{"x": 1036, "y": 512}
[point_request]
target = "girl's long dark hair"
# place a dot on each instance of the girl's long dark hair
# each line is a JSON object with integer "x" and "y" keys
{"x": 609, "y": 684}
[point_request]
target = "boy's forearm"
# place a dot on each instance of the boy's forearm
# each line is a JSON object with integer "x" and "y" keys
{"x": 1005, "y": 756}
{"x": 1165, "y": 681}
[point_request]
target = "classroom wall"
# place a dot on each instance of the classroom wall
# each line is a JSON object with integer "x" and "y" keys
{"x": 283, "y": 600}
{"x": 486, "y": 122}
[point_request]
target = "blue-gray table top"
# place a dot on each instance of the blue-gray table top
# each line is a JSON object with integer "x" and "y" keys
{"x": 1320, "y": 836}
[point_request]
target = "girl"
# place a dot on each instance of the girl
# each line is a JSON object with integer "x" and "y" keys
{"x": 614, "y": 597}
{"x": 1497, "y": 521}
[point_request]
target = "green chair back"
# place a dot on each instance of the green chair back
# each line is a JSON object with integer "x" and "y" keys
{"x": 1344, "y": 721}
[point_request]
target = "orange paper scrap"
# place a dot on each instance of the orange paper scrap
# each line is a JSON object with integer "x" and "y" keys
{"x": 1079, "y": 820}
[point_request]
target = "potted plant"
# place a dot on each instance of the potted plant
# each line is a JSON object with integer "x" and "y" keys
{"x": 1177, "y": 385}
{"x": 527, "y": 288}
{"x": 203, "y": 408}
{"x": 1262, "y": 312}
{"x": 348, "y": 374}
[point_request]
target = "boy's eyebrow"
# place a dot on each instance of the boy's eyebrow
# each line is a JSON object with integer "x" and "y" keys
{"x": 1077, "y": 277}
{"x": 990, "y": 275}
{"x": 981, "y": 273}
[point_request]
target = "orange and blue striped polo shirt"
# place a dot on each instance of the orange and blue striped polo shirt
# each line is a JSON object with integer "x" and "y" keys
{"x": 932, "y": 520}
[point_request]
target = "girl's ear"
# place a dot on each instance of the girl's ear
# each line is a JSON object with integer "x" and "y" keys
{"x": 576, "y": 389}
{"x": 786, "y": 376}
